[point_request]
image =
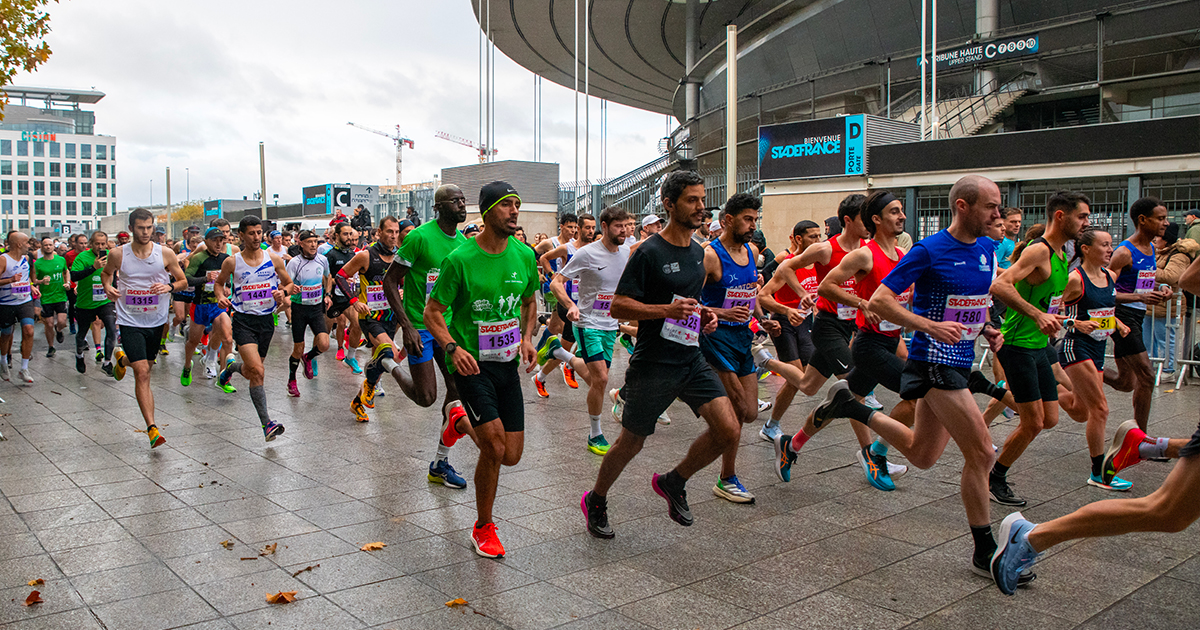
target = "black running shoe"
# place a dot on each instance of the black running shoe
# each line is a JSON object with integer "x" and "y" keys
{"x": 838, "y": 402}
{"x": 80, "y": 364}
{"x": 51, "y": 352}
{"x": 676, "y": 501}
{"x": 985, "y": 570}
{"x": 597, "y": 516}
{"x": 59, "y": 336}
{"x": 1002, "y": 493}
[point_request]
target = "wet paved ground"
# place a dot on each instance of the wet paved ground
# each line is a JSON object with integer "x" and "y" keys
{"x": 125, "y": 537}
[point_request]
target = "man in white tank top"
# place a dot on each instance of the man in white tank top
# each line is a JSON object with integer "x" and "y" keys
{"x": 149, "y": 272}
{"x": 16, "y": 304}
{"x": 260, "y": 284}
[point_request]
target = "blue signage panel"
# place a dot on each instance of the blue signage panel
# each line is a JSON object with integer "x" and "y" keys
{"x": 213, "y": 208}
{"x": 826, "y": 147}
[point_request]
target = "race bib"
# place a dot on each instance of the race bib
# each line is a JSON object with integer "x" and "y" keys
{"x": 499, "y": 341}
{"x": 682, "y": 331}
{"x": 575, "y": 293}
{"x": 741, "y": 296}
{"x": 1145, "y": 281}
{"x": 430, "y": 279}
{"x": 968, "y": 310}
{"x": 257, "y": 296}
{"x": 210, "y": 287}
{"x": 98, "y": 294}
{"x": 602, "y": 304}
{"x": 1106, "y": 322}
{"x": 903, "y": 299}
{"x": 311, "y": 294}
{"x": 844, "y": 312}
{"x": 1055, "y": 305}
{"x": 376, "y": 300}
{"x": 20, "y": 288}
{"x": 140, "y": 300}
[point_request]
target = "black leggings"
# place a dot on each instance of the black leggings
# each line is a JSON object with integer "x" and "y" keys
{"x": 84, "y": 318}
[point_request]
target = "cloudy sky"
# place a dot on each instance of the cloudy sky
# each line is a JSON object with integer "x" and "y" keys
{"x": 198, "y": 84}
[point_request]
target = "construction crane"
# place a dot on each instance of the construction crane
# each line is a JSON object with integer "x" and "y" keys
{"x": 400, "y": 141}
{"x": 484, "y": 153}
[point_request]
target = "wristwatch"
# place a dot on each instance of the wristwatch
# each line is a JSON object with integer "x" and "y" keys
{"x": 1068, "y": 323}
{"x": 451, "y": 347}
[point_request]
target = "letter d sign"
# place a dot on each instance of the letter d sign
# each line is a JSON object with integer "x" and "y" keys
{"x": 853, "y": 130}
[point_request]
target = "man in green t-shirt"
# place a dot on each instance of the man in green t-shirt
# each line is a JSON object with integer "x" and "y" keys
{"x": 488, "y": 285}
{"x": 417, "y": 267}
{"x": 49, "y": 273}
{"x": 91, "y": 302}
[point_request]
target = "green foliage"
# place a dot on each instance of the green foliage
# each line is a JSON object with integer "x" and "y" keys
{"x": 24, "y": 25}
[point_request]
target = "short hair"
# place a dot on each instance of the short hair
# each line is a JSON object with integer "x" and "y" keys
{"x": 1065, "y": 200}
{"x": 1143, "y": 207}
{"x": 740, "y": 203}
{"x": 218, "y": 222}
{"x": 803, "y": 226}
{"x": 967, "y": 188}
{"x": 248, "y": 222}
{"x": 871, "y": 208}
{"x": 388, "y": 218}
{"x": 140, "y": 214}
{"x": 678, "y": 181}
{"x": 8, "y": 237}
{"x": 849, "y": 208}
{"x": 567, "y": 217}
{"x": 1008, "y": 212}
{"x": 614, "y": 214}
{"x": 337, "y": 228}
{"x": 586, "y": 217}
{"x": 100, "y": 232}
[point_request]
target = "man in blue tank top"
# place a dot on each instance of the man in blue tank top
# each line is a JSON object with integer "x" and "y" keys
{"x": 1133, "y": 262}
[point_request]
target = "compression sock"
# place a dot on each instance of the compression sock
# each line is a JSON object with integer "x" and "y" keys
{"x": 312, "y": 354}
{"x": 1097, "y": 465}
{"x": 564, "y": 355}
{"x": 985, "y": 545}
{"x": 1153, "y": 448}
{"x": 293, "y": 363}
{"x": 443, "y": 452}
{"x": 259, "y": 395}
{"x": 879, "y": 447}
{"x": 24, "y": 364}
{"x": 999, "y": 471}
{"x": 596, "y": 430}
{"x": 377, "y": 368}
{"x": 977, "y": 383}
{"x": 799, "y": 440}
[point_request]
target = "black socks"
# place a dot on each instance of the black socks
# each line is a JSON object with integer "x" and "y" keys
{"x": 985, "y": 545}
{"x": 1097, "y": 465}
{"x": 999, "y": 471}
{"x": 293, "y": 363}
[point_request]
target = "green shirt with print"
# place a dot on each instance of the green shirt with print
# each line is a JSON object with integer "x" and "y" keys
{"x": 88, "y": 288}
{"x": 424, "y": 250}
{"x": 484, "y": 293}
{"x": 52, "y": 267}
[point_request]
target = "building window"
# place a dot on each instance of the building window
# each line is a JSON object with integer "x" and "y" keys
{"x": 112, "y": 190}
{"x": 55, "y": 169}
{"x": 70, "y": 189}
{"x": 70, "y": 169}
{"x": 55, "y": 189}
{"x": 22, "y": 167}
{"x": 39, "y": 169}
{"x": 70, "y": 150}
{"x": 22, "y": 187}
{"x": 85, "y": 151}
{"x": 101, "y": 208}
{"x": 23, "y": 207}
{"x": 85, "y": 190}
{"x": 85, "y": 170}
{"x": 101, "y": 190}
{"x": 5, "y": 147}
{"x": 6, "y": 206}
{"x": 5, "y": 167}
{"x": 39, "y": 149}
{"x": 70, "y": 208}
{"x": 101, "y": 171}
{"x": 56, "y": 207}
{"x": 23, "y": 224}
{"x": 6, "y": 187}
{"x": 39, "y": 188}
{"x": 22, "y": 148}
{"x": 54, "y": 149}
{"x": 39, "y": 207}
{"x": 85, "y": 208}
{"x": 39, "y": 223}
{"x": 112, "y": 152}
{"x": 101, "y": 149}
{"x": 113, "y": 172}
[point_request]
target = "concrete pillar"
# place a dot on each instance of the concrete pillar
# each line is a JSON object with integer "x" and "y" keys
{"x": 691, "y": 51}
{"x": 987, "y": 22}
{"x": 730, "y": 111}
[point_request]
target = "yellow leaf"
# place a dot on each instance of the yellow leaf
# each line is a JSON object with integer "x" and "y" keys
{"x": 269, "y": 549}
{"x": 228, "y": 544}
{"x": 282, "y": 597}
{"x": 456, "y": 602}
{"x": 375, "y": 546}
{"x": 37, "y": 582}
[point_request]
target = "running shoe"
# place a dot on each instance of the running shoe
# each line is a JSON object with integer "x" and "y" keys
{"x": 80, "y": 364}
{"x": 360, "y": 412}
{"x": 307, "y": 365}
{"x": 451, "y": 413}
{"x": 185, "y": 378}
{"x": 341, "y": 353}
{"x": 4, "y": 369}
{"x": 24, "y": 375}
{"x": 314, "y": 367}
{"x": 442, "y": 472}
{"x": 871, "y": 401}
{"x": 1124, "y": 450}
{"x": 985, "y": 570}
{"x": 663, "y": 419}
{"x": 837, "y": 400}
{"x": 677, "y": 505}
{"x": 875, "y": 468}
{"x": 1117, "y": 484}
{"x": 1002, "y": 493}
{"x": 379, "y": 390}
{"x": 627, "y": 342}
{"x": 763, "y": 374}
{"x": 596, "y": 514}
{"x": 367, "y": 394}
{"x": 107, "y": 366}
{"x": 486, "y": 543}
{"x": 226, "y": 374}
{"x": 760, "y": 354}
{"x": 353, "y": 363}
{"x": 546, "y": 352}
{"x": 732, "y": 490}
{"x": 618, "y": 404}
{"x": 598, "y": 444}
{"x": 99, "y": 355}
{"x": 201, "y": 349}
{"x": 272, "y": 430}
{"x": 784, "y": 457}
{"x": 292, "y": 390}
{"x": 51, "y": 352}
{"x": 896, "y": 470}
{"x": 59, "y": 336}
{"x": 770, "y": 430}
{"x": 1014, "y": 555}
{"x": 377, "y": 356}
{"x": 764, "y": 405}
{"x": 156, "y": 438}
{"x": 569, "y": 377}
{"x": 1008, "y": 413}
{"x": 210, "y": 372}
{"x": 541, "y": 387}
{"x": 118, "y": 368}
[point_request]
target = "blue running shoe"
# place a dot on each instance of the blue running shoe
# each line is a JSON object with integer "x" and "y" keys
{"x": 770, "y": 430}
{"x": 353, "y": 363}
{"x": 876, "y": 469}
{"x": 546, "y": 352}
{"x": 732, "y": 490}
{"x": 784, "y": 457}
{"x": 1014, "y": 555}
{"x": 1118, "y": 484}
{"x": 442, "y": 472}
{"x": 226, "y": 374}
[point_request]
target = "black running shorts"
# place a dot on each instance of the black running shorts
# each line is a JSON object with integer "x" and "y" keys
{"x": 493, "y": 393}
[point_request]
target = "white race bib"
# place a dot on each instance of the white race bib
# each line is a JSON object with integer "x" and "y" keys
{"x": 1145, "y": 281}
{"x": 968, "y": 310}
{"x": 682, "y": 331}
{"x": 98, "y": 294}
{"x": 903, "y": 299}
{"x": 602, "y": 304}
{"x": 430, "y": 279}
{"x": 499, "y": 341}
{"x": 376, "y": 300}
{"x": 311, "y": 294}
{"x": 1106, "y": 322}
{"x": 257, "y": 296}
{"x": 1056, "y": 303}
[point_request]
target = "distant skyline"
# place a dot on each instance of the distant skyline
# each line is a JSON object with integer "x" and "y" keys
{"x": 197, "y": 85}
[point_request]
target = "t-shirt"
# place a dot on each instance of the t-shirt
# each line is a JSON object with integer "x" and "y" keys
{"x": 1004, "y": 251}
{"x": 950, "y": 282}
{"x": 658, "y": 273}
{"x": 199, "y": 264}
{"x": 324, "y": 248}
{"x": 484, "y": 293}
{"x": 338, "y": 258}
{"x": 424, "y": 250}
{"x": 597, "y": 271}
{"x": 89, "y": 291}
{"x": 309, "y": 275}
{"x": 52, "y": 267}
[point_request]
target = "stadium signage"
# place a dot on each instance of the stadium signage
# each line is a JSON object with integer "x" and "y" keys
{"x": 825, "y": 147}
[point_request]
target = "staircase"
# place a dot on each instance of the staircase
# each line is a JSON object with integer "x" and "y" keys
{"x": 963, "y": 112}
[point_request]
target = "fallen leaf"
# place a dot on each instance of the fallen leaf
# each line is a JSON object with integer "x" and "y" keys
{"x": 282, "y": 597}
{"x": 34, "y": 598}
{"x": 37, "y": 582}
{"x": 456, "y": 602}
{"x": 54, "y": 392}
{"x": 228, "y": 544}
{"x": 140, "y": 430}
{"x": 308, "y": 568}
{"x": 269, "y": 549}
{"x": 254, "y": 558}
{"x": 375, "y": 546}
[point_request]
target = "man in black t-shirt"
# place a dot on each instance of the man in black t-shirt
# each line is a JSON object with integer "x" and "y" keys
{"x": 341, "y": 253}
{"x": 660, "y": 288}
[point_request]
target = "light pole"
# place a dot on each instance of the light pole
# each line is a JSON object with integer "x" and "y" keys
{"x": 188, "y": 173}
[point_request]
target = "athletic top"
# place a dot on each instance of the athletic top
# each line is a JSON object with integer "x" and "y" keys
{"x": 1095, "y": 303}
{"x": 423, "y": 251}
{"x": 950, "y": 281}
{"x": 1004, "y": 250}
{"x": 324, "y": 248}
{"x": 52, "y": 267}
{"x": 17, "y": 292}
{"x": 253, "y": 286}
{"x": 89, "y": 291}
{"x": 338, "y": 258}
{"x": 309, "y": 274}
{"x": 370, "y": 289}
{"x": 137, "y": 306}
{"x": 881, "y": 266}
{"x": 598, "y": 271}
{"x": 572, "y": 290}
{"x": 554, "y": 243}
{"x": 842, "y": 311}
{"x": 1023, "y": 332}
{"x": 1138, "y": 277}
{"x": 738, "y": 285}
{"x": 659, "y": 273}
{"x": 281, "y": 252}
{"x": 199, "y": 264}
{"x": 808, "y": 279}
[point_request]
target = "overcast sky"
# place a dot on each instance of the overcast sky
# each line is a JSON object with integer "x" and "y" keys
{"x": 197, "y": 85}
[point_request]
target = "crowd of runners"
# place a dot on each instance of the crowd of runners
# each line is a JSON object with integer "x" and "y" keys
{"x": 477, "y": 305}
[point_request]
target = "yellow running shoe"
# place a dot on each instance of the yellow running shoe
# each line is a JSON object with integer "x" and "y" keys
{"x": 118, "y": 367}
{"x": 156, "y": 438}
{"x": 367, "y": 394}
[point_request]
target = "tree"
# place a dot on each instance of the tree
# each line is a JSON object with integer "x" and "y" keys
{"x": 23, "y": 28}
{"x": 193, "y": 211}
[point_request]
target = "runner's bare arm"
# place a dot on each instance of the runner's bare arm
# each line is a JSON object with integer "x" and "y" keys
{"x": 819, "y": 253}
{"x": 220, "y": 284}
{"x": 529, "y": 325}
{"x": 554, "y": 254}
{"x": 435, "y": 323}
{"x": 558, "y": 286}
{"x": 854, "y": 265}
{"x": 885, "y": 304}
{"x": 179, "y": 281}
{"x": 110, "y": 268}
{"x": 1004, "y": 287}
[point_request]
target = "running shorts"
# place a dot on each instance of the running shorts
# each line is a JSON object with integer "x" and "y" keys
{"x": 1193, "y": 445}
{"x": 1030, "y": 372}
{"x": 13, "y": 313}
{"x": 875, "y": 363}
{"x": 310, "y": 316}
{"x": 1077, "y": 349}
{"x": 205, "y": 314}
{"x": 54, "y": 308}
{"x": 728, "y": 349}
{"x": 495, "y": 392}
{"x": 794, "y": 343}
{"x": 376, "y": 327}
{"x": 141, "y": 344}
{"x": 921, "y": 376}
{"x": 651, "y": 387}
{"x": 254, "y": 330}
{"x": 596, "y": 345}
{"x": 831, "y": 340}
{"x": 337, "y": 306}
{"x": 1132, "y": 343}
{"x": 568, "y": 333}
{"x": 428, "y": 344}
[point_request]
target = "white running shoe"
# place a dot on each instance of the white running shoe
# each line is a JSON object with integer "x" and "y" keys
{"x": 871, "y": 401}
{"x": 895, "y": 470}
{"x": 23, "y": 374}
{"x": 618, "y": 404}
{"x": 764, "y": 405}
{"x": 210, "y": 372}
{"x": 664, "y": 420}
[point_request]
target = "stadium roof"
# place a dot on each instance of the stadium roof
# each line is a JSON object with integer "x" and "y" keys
{"x": 57, "y": 95}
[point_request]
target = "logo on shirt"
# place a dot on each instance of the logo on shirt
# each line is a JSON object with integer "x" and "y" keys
{"x": 671, "y": 268}
{"x": 481, "y": 305}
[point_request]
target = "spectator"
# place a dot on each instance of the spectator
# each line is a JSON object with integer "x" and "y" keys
{"x": 1193, "y": 226}
{"x": 833, "y": 227}
{"x": 362, "y": 218}
{"x": 765, "y": 254}
{"x": 471, "y": 231}
{"x": 412, "y": 216}
{"x": 520, "y": 235}
{"x": 1173, "y": 255}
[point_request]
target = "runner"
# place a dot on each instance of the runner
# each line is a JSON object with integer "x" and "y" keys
{"x": 489, "y": 287}
{"x": 418, "y": 265}
{"x": 78, "y": 243}
{"x": 1090, "y": 300}
{"x": 564, "y": 253}
{"x": 260, "y": 282}
{"x": 49, "y": 273}
{"x": 207, "y": 316}
{"x": 1032, "y": 288}
{"x": 568, "y": 227}
{"x": 660, "y": 288}
{"x": 92, "y": 304}
{"x": 596, "y": 269}
{"x": 16, "y": 304}
{"x": 337, "y": 319}
{"x": 376, "y": 318}
{"x": 147, "y": 273}
{"x": 311, "y": 282}
{"x": 1133, "y": 262}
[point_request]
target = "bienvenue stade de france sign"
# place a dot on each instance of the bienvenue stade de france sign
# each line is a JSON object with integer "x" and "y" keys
{"x": 986, "y": 52}
{"x": 826, "y": 147}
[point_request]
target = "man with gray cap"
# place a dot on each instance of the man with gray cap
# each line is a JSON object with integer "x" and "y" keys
{"x": 1193, "y": 226}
